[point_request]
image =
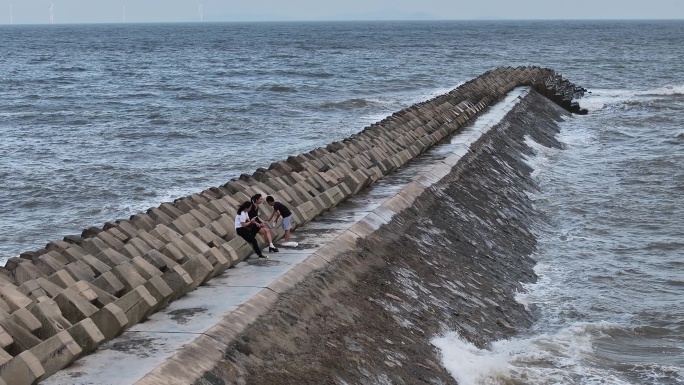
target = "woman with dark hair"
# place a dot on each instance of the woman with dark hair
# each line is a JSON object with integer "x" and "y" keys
{"x": 263, "y": 227}
{"x": 246, "y": 228}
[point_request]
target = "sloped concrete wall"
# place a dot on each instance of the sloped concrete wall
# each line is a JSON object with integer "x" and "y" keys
{"x": 61, "y": 302}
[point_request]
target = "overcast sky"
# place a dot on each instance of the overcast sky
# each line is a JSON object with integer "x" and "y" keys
{"x": 113, "y": 11}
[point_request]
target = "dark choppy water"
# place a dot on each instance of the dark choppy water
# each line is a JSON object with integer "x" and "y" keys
{"x": 102, "y": 121}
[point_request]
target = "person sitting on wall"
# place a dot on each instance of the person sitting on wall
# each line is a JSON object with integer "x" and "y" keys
{"x": 247, "y": 228}
{"x": 263, "y": 228}
{"x": 281, "y": 211}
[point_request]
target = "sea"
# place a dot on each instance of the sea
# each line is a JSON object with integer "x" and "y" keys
{"x": 102, "y": 121}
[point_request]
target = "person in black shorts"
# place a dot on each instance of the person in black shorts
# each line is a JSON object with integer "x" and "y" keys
{"x": 280, "y": 210}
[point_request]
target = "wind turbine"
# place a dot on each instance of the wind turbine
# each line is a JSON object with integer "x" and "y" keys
{"x": 123, "y": 12}
{"x": 52, "y": 14}
{"x": 201, "y": 13}
{"x": 11, "y": 15}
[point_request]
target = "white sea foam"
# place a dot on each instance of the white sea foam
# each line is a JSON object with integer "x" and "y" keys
{"x": 563, "y": 357}
{"x": 669, "y": 89}
{"x": 599, "y": 99}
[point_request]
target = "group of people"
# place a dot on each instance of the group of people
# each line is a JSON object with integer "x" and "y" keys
{"x": 248, "y": 224}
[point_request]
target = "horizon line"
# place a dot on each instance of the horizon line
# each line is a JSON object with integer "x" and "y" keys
{"x": 328, "y": 21}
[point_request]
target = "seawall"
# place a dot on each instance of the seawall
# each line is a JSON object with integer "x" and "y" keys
{"x": 451, "y": 259}
{"x": 63, "y": 301}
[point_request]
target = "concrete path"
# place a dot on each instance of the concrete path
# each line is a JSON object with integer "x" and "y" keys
{"x": 129, "y": 357}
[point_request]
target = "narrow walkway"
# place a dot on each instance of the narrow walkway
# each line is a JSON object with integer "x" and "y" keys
{"x": 139, "y": 350}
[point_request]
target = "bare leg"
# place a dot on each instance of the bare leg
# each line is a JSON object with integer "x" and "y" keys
{"x": 287, "y": 236}
{"x": 266, "y": 233}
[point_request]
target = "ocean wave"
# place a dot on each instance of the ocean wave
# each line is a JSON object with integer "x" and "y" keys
{"x": 71, "y": 69}
{"x": 566, "y": 356}
{"x": 599, "y": 99}
{"x": 664, "y": 246}
{"x": 348, "y": 104}
{"x": 665, "y": 90}
{"x": 276, "y": 88}
{"x": 194, "y": 96}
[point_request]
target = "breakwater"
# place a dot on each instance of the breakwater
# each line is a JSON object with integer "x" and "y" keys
{"x": 451, "y": 258}
{"x": 64, "y": 300}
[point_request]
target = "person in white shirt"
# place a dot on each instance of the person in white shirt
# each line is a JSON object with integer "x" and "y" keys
{"x": 247, "y": 228}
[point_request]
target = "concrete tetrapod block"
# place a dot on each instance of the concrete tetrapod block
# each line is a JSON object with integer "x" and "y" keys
{"x": 202, "y": 219}
{"x": 163, "y": 234}
{"x": 56, "y": 353}
{"x": 218, "y": 261}
{"x": 87, "y": 335}
{"x": 162, "y": 214}
{"x": 112, "y": 258}
{"x": 50, "y": 316}
{"x": 5, "y": 340}
{"x": 109, "y": 283}
{"x": 26, "y": 271}
{"x": 102, "y": 297}
{"x": 110, "y": 320}
{"x": 22, "y": 338}
{"x": 229, "y": 253}
{"x": 130, "y": 251}
{"x": 94, "y": 246}
{"x": 128, "y": 276}
{"x": 199, "y": 268}
{"x": 178, "y": 280}
{"x": 74, "y": 307}
{"x": 208, "y": 237}
{"x": 62, "y": 279}
{"x": 197, "y": 244}
{"x": 144, "y": 268}
{"x": 159, "y": 260}
{"x": 33, "y": 290}
{"x": 95, "y": 264}
{"x": 24, "y": 369}
{"x": 137, "y": 305}
{"x": 150, "y": 240}
{"x": 183, "y": 248}
{"x": 113, "y": 242}
{"x": 184, "y": 224}
{"x": 140, "y": 245}
{"x": 306, "y": 212}
{"x": 172, "y": 252}
{"x": 14, "y": 299}
{"x": 80, "y": 271}
{"x": 25, "y": 319}
{"x": 161, "y": 292}
{"x": 48, "y": 264}
{"x": 356, "y": 181}
{"x": 208, "y": 212}
{"x": 241, "y": 248}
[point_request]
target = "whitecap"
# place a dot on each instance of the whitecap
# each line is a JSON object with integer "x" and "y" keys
{"x": 669, "y": 89}
{"x": 562, "y": 357}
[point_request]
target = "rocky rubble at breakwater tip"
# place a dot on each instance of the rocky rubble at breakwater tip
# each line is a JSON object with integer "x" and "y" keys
{"x": 61, "y": 302}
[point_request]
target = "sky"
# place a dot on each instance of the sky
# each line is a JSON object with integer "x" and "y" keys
{"x": 151, "y": 11}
